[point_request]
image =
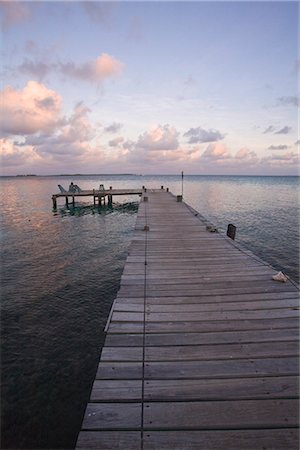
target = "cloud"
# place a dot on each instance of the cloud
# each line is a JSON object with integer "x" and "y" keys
{"x": 98, "y": 12}
{"x": 270, "y": 129}
{"x": 103, "y": 67}
{"x": 199, "y": 135}
{"x": 217, "y": 151}
{"x": 288, "y": 158}
{"x": 38, "y": 69}
{"x": 113, "y": 128}
{"x": 278, "y": 147}
{"x": 159, "y": 138}
{"x": 73, "y": 138}
{"x": 246, "y": 155}
{"x": 284, "y": 130}
{"x": 96, "y": 71}
{"x": 291, "y": 100}
{"x": 35, "y": 108}
{"x": 13, "y": 13}
{"x": 116, "y": 142}
{"x": 12, "y": 155}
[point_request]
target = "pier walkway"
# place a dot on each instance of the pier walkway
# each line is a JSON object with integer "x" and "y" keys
{"x": 202, "y": 347}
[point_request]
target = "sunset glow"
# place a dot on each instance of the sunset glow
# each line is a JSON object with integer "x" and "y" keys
{"x": 149, "y": 87}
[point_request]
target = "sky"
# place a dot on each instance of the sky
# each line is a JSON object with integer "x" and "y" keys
{"x": 149, "y": 87}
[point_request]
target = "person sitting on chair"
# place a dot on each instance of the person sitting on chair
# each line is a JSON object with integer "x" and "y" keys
{"x": 72, "y": 187}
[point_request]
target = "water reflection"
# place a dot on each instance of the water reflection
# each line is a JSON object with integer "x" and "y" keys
{"x": 83, "y": 209}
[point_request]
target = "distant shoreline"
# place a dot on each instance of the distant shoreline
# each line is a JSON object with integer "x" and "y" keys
{"x": 138, "y": 175}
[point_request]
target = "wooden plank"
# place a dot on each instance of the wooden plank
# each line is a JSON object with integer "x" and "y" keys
{"x": 112, "y": 416}
{"x": 239, "y": 414}
{"x": 116, "y": 390}
{"x": 197, "y": 307}
{"x": 109, "y": 440}
{"x": 222, "y": 369}
{"x": 222, "y": 389}
{"x": 119, "y": 370}
{"x": 121, "y": 354}
{"x": 205, "y": 315}
{"x": 261, "y": 296}
{"x": 255, "y": 439}
{"x": 215, "y": 352}
{"x": 209, "y": 326}
{"x": 224, "y": 337}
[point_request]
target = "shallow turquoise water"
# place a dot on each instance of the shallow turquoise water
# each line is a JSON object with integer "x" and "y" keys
{"x": 61, "y": 271}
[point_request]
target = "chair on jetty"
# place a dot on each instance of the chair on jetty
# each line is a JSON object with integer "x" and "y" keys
{"x": 62, "y": 189}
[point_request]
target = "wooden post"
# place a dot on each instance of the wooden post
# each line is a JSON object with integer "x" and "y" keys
{"x": 161, "y": 187}
{"x": 110, "y": 188}
{"x": 73, "y": 200}
{"x": 167, "y": 189}
{"x": 179, "y": 198}
{"x": 231, "y": 229}
{"x": 54, "y": 202}
{"x": 67, "y": 201}
{"x": 110, "y": 199}
{"x": 145, "y": 199}
{"x": 94, "y": 198}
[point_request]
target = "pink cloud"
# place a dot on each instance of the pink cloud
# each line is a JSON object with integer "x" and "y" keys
{"x": 13, "y": 155}
{"x": 217, "y": 151}
{"x": 29, "y": 110}
{"x": 103, "y": 67}
{"x": 13, "y": 12}
{"x": 159, "y": 138}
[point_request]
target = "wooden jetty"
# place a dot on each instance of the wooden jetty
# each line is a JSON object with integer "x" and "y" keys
{"x": 201, "y": 350}
{"x": 98, "y": 196}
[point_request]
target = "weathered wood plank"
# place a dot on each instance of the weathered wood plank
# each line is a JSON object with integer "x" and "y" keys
{"x": 209, "y": 326}
{"x": 215, "y": 352}
{"x": 109, "y": 440}
{"x": 112, "y": 416}
{"x": 222, "y": 389}
{"x": 275, "y": 439}
{"x": 116, "y": 390}
{"x": 119, "y": 370}
{"x": 222, "y": 369}
{"x": 205, "y": 315}
{"x": 240, "y": 414}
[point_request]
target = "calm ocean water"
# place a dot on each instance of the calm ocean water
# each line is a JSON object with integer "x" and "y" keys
{"x": 61, "y": 271}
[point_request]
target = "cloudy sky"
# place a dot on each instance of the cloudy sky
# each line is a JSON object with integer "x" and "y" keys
{"x": 149, "y": 87}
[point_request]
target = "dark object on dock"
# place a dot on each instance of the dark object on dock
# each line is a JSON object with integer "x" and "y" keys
{"x": 231, "y": 230}
{"x": 179, "y": 198}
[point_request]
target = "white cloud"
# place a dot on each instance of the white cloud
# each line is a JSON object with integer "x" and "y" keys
{"x": 33, "y": 109}
{"x": 217, "y": 152}
{"x": 159, "y": 138}
{"x": 12, "y": 155}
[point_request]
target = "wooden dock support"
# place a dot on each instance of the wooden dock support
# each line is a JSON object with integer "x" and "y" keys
{"x": 54, "y": 201}
{"x": 231, "y": 230}
{"x": 202, "y": 346}
{"x": 67, "y": 201}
